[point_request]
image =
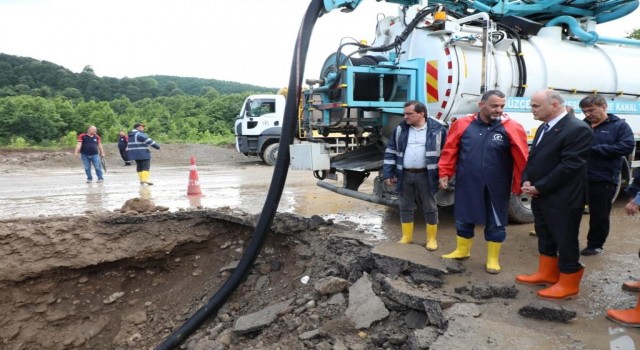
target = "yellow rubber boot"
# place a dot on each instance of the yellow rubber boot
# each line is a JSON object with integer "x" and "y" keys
{"x": 463, "y": 249}
{"x": 432, "y": 230}
{"x": 407, "y": 233}
{"x": 145, "y": 178}
{"x": 493, "y": 253}
{"x": 141, "y": 177}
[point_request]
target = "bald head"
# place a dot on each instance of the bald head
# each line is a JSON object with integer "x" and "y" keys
{"x": 546, "y": 105}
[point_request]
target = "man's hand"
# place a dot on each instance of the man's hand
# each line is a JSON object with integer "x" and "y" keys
{"x": 527, "y": 188}
{"x": 391, "y": 181}
{"x": 632, "y": 208}
{"x": 443, "y": 182}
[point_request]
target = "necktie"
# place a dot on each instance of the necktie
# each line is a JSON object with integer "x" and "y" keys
{"x": 545, "y": 129}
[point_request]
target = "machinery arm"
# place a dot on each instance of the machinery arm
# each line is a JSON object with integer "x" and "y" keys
{"x": 540, "y": 10}
{"x": 350, "y": 5}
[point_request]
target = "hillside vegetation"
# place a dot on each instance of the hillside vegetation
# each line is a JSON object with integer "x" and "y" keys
{"x": 44, "y": 104}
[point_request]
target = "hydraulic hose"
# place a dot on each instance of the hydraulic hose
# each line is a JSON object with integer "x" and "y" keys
{"x": 522, "y": 67}
{"x": 275, "y": 190}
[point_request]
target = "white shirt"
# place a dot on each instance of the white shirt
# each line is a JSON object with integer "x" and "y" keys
{"x": 551, "y": 124}
{"x": 414, "y": 154}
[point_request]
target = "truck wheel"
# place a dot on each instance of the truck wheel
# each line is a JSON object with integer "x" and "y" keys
{"x": 520, "y": 209}
{"x": 271, "y": 154}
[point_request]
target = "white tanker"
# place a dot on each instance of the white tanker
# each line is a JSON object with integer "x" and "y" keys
{"x": 437, "y": 55}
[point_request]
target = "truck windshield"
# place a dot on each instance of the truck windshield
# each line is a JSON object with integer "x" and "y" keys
{"x": 262, "y": 107}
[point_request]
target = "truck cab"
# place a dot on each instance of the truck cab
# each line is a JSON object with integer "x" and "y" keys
{"x": 258, "y": 126}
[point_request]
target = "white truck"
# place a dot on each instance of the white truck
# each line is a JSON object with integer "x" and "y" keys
{"x": 447, "y": 55}
{"x": 259, "y": 124}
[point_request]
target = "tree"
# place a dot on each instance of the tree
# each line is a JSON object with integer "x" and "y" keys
{"x": 65, "y": 109}
{"x": 72, "y": 93}
{"x": 210, "y": 93}
{"x": 33, "y": 118}
{"x": 635, "y": 34}
{"x": 99, "y": 114}
{"x": 121, "y": 105}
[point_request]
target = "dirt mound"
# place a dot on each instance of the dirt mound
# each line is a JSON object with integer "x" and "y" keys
{"x": 168, "y": 155}
{"x": 123, "y": 281}
{"x": 25, "y": 157}
{"x": 113, "y": 281}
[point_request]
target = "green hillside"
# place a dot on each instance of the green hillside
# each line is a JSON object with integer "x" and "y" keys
{"x": 28, "y": 76}
{"x": 45, "y": 104}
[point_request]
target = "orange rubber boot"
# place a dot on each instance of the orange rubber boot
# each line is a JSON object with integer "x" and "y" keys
{"x": 568, "y": 286}
{"x": 547, "y": 273}
{"x": 629, "y": 317}
{"x": 632, "y": 286}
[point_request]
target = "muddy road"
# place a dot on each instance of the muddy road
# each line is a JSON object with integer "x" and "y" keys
{"x": 48, "y": 188}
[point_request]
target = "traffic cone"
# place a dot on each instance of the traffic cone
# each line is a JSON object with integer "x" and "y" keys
{"x": 194, "y": 181}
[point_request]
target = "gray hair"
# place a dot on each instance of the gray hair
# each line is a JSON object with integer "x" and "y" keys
{"x": 553, "y": 95}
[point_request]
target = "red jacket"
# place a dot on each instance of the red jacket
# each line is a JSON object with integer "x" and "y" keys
{"x": 484, "y": 156}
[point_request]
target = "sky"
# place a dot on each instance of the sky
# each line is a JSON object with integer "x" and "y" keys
{"x": 246, "y": 41}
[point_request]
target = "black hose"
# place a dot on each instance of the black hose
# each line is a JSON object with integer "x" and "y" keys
{"x": 397, "y": 43}
{"x": 275, "y": 190}
{"x": 522, "y": 67}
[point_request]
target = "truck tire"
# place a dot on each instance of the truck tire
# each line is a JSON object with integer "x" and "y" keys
{"x": 520, "y": 209}
{"x": 271, "y": 154}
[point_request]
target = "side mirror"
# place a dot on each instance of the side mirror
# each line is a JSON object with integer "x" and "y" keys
{"x": 247, "y": 109}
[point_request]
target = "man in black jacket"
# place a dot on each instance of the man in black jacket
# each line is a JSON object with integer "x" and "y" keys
{"x": 612, "y": 141}
{"x": 123, "y": 141}
{"x": 556, "y": 177}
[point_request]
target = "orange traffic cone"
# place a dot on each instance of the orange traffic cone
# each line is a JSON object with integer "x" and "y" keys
{"x": 194, "y": 181}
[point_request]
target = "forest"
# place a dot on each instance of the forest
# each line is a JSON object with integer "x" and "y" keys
{"x": 46, "y": 105}
{"x": 43, "y": 104}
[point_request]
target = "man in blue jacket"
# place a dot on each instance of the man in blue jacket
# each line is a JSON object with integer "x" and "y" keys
{"x": 138, "y": 150}
{"x": 486, "y": 151}
{"x": 612, "y": 141}
{"x": 411, "y": 163}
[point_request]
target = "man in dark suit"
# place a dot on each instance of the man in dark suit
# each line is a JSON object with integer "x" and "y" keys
{"x": 556, "y": 177}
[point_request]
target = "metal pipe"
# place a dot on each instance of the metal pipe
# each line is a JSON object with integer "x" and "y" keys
{"x": 358, "y": 195}
{"x": 588, "y": 38}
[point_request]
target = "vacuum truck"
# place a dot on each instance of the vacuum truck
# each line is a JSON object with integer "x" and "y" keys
{"x": 447, "y": 55}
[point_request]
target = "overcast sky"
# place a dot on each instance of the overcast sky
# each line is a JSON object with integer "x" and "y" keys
{"x": 248, "y": 41}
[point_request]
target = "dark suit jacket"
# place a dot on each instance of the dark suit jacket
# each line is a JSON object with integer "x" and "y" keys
{"x": 557, "y": 166}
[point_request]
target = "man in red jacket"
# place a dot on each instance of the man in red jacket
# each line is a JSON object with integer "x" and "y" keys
{"x": 486, "y": 151}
